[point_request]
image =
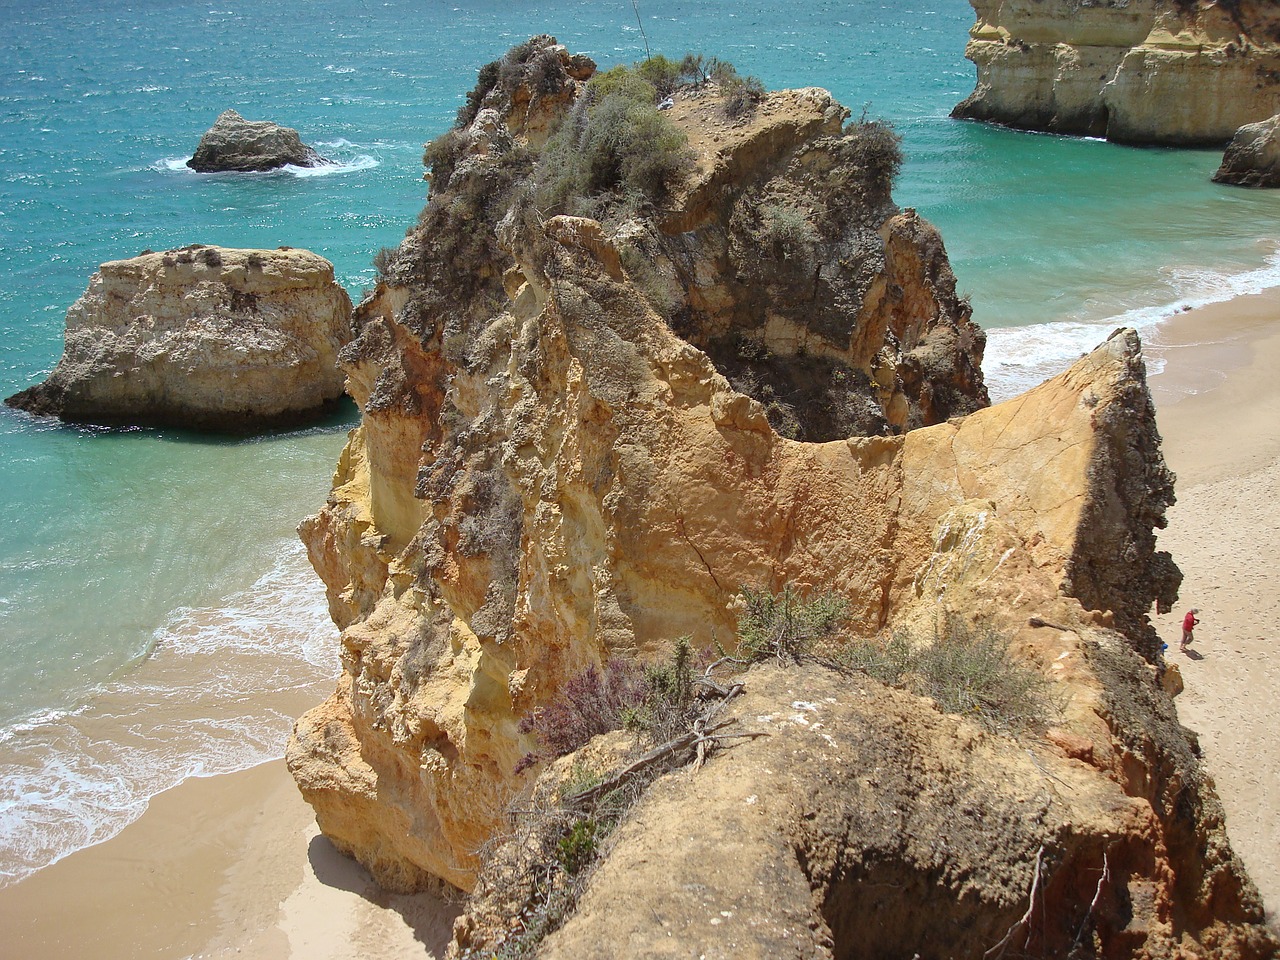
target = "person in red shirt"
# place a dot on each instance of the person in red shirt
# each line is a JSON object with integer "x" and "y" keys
{"x": 1188, "y": 625}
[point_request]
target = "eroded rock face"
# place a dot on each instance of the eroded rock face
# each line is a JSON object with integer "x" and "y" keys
{"x": 886, "y": 829}
{"x": 1253, "y": 156}
{"x": 865, "y": 822}
{"x": 547, "y": 470}
{"x": 561, "y": 460}
{"x": 203, "y": 338}
{"x": 236, "y": 145}
{"x": 1176, "y": 72}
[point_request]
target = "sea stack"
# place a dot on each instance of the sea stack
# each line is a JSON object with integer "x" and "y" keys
{"x": 234, "y": 144}
{"x": 616, "y": 375}
{"x": 1252, "y": 159}
{"x": 1167, "y": 72}
{"x": 201, "y": 338}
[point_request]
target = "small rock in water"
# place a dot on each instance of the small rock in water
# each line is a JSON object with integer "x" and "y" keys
{"x": 234, "y": 144}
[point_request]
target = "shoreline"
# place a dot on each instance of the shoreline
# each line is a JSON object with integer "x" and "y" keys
{"x": 233, "y": 865}
{"x": 219, "y": 867}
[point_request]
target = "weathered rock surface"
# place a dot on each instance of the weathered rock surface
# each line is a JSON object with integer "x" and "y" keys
{"x": 203, "y": 338}
{"x": 886, "y": 829}
{"x": 868, "y": 823}
{"x": 1175, "y": 72}
{"x": 1253, "y": 156}
{"x": 234, "y": 144}
{"x": 561, "y": 460}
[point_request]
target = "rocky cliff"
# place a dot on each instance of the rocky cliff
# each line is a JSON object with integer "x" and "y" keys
{"x": 203, "y": 338}
{"x": 1175, "y": 72}
{"x": 582, "y": 435}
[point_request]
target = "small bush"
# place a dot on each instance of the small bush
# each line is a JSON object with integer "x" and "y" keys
{"x": 785, "y": 625}
{"x": 622, "y": 81}
{"x": 788, "y": 231}
{"x": 694, "y": 69}
{"x": 619, "y": 144}
{"x": 383, "y": 259}
{"x": 442, "y": 155}
{"x": 486, "y": 80}
{"x": 968, "y": 671}
{"x": 590, "y": 703}
{"x": 741, "y": 94}
{"x": 662, "y": 74}
{"x": 668, "y": 701}
{"x": 578, "y": 848}
{"x": 973, "y": 673}
{"x": 875, "y": 147}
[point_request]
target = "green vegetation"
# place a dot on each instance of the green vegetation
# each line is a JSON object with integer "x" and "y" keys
{"x": 788, "y": 230}
{"x": 967, "y": 670}
{"x": 614, "y": 146}
{"x": 786, "y": 625}
{"x": 876, "y": 150}
{"x": 554, "y": 845}
{"x": 741, "y": 94}
{"x": 654, "y": 700}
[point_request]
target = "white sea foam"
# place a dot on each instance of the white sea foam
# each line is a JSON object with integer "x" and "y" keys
{"x": 1018, "y": 358}
{"x": 213, "y": 697}
{"x": 351, "y": 163}
{"x": 364, "y": 161}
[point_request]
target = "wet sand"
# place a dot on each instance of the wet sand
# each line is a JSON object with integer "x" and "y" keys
{"x": 228, "y": 866}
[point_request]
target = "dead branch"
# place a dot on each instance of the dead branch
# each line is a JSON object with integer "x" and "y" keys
{"x": 702, "y": 737}
{"x": 1025, "y": 922}
{"x": 1036, "y": 761}
{"x": 1097, "y": 898}
{"x": 1037, "y": 622}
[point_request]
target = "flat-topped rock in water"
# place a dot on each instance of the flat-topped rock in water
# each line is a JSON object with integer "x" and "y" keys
{"x": 236, "y": 145}
{"x": 202, "y": 338}
{"x": 1253, "y": 156}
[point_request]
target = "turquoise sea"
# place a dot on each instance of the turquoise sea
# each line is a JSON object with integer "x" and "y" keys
{"x": 158, "y": 617}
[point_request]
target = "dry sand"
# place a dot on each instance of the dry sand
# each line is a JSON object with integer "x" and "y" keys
{"x": 1218, "y": 408}
{"x": 233, "y": 867}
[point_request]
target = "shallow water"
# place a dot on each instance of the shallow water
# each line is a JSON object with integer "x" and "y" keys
{"x": 152, "y": 595}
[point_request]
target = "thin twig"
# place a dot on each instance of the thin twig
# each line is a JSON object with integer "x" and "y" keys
{"x": 1025, "y": 921}
{"x": 1036, "y": 761}
{"x": 636, "y": 6}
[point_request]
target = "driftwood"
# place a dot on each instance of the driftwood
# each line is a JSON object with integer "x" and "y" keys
{"x": 1037, "y": 622}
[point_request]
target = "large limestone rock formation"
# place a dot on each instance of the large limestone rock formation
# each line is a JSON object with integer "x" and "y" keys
{"x": 203, "y": 338}
{"x": 868, "y": 823}
{"x": 1177, "y": 72}
{"x": 236, "y": 145}
{"x": 1252, "y": 158}
{"x": 571, "y": 450}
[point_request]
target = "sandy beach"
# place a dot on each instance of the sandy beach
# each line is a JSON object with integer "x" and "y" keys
{"x": 1218, "y": 407}
{"x": 229, "y": 866}
{"x": 233, "y": 866}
